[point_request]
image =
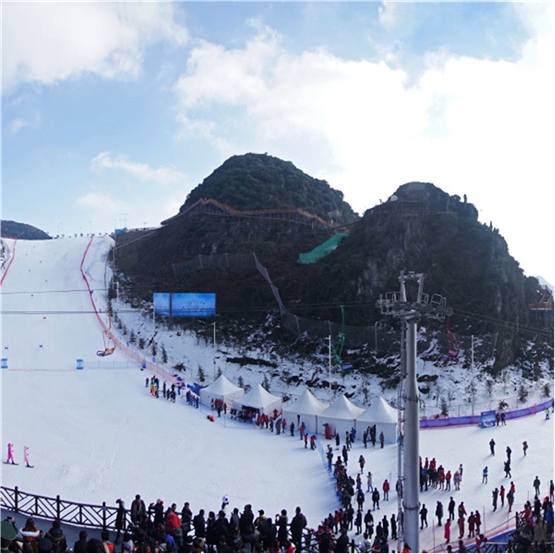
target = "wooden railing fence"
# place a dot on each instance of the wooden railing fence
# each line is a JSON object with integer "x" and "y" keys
{"x": 74, "y": 513}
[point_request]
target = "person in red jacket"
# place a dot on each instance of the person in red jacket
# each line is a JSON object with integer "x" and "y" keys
{"x": 175, "y": 525}
{"x": 386, "y": 490}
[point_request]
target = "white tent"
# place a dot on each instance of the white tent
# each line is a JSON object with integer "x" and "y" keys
{"x": 305, "y": 409}
{"x": 340, "y": 416}
{"x": 221, "y": 389}
{"x": 261, "y": 399}
{"x": 383, "y": 416}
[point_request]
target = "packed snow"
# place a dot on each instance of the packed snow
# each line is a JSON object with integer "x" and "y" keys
{"x": 97, "y": 434}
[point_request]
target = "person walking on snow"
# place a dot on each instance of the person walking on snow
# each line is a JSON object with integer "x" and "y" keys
{"x": 423, "y": 516}
{"x": 447, "y": 532}
{"x": 10, "y": 454}
{"x": 439, "y": 512}
{"x": 492, "y": 447}
{"x": 485, "y": 475}
{"x": 369, "y": 482}
{"x": 451, "y": 509}
{"x": 26, "y": 456}
{"x": 509, "y": 452}
{"x": 495, "y": 494}
{"x": 508, "y": 469}
{"x": 536, "y": 484}
{"x": 524, "y": 447}
{"x": 386, "y": 490}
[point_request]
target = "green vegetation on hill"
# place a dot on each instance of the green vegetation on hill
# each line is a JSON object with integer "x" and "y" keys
{"x": 423, "y": 229}
{"x": 22, "y": 231}
{"x": 420, "y": 228}
{"x": 262, "y": 182}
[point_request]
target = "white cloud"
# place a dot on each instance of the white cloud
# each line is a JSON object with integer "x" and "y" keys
{"x": 469, "y": 125}
{"x": 161, "y": 175}
{"x": 388, "y": 14}
{"x": 100, "y": 201}
{"x": 45, "y": 42}
{"x": 229, "y": 76}
{"x": 18, "y": 124}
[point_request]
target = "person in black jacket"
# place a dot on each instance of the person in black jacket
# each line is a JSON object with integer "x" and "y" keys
{"x": 120, "y": 519}
{"x": 211, "y": 533}
{"x": 81, "y": 544}
{"x": 246, "y": 520}
{"x": 298, "y": 523}
{"x": 342, "y": 544}
{"x": 57, "y": 537}
{"x": 200, "y": 525}
{"x": 281, "y": 523}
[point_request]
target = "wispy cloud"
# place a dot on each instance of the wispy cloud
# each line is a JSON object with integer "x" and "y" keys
{"x": 17, "y": 124}
{"x": 94, "y": 200}
{"x": 161, "y": 175}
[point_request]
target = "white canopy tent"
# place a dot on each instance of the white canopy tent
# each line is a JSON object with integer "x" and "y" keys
{"x": 221, "y": 389}
{"x": 261, "y": 399}
{"x": 340, "y": 416}
{"x": 383, "y": 416}
{"x": 305, "y": 409}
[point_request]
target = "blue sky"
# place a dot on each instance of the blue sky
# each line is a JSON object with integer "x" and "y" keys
{"x": 113, "y": 112}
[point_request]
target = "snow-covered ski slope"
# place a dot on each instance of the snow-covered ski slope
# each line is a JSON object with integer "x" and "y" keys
{"x": 97, "y": 435}
{"x": 48, "y": 320}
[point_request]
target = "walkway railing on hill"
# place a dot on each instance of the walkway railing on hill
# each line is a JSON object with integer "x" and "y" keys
{"x": 204, "y": 205}
{"x": 73, "y": 513}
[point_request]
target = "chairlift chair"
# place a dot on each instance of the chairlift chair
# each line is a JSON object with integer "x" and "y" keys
{"x": 109, "y": 342}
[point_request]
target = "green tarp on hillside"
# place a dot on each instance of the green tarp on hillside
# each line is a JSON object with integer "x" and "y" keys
{"x": 321, "y": 250}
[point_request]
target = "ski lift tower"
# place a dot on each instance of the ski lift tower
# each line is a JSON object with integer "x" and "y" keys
{"x": 410, "y": 312}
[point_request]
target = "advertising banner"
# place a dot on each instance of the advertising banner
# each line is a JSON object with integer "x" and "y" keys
{"x": 162, "y": 303}
{"x": 193, "y": 304}
{"x": 488, "y": 418}
{"x": 185, "y": 304}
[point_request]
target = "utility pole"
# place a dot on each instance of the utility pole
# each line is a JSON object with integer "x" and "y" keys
{"x": 214, "y": 356}
{"x": 410, "y": 312}
{"x": 329, "y": 365}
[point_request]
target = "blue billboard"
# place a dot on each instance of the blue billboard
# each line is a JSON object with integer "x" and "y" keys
{"x": 185, "y": 304}
{"x": 162, "y": 303}
{"x": 488, "y": 418}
